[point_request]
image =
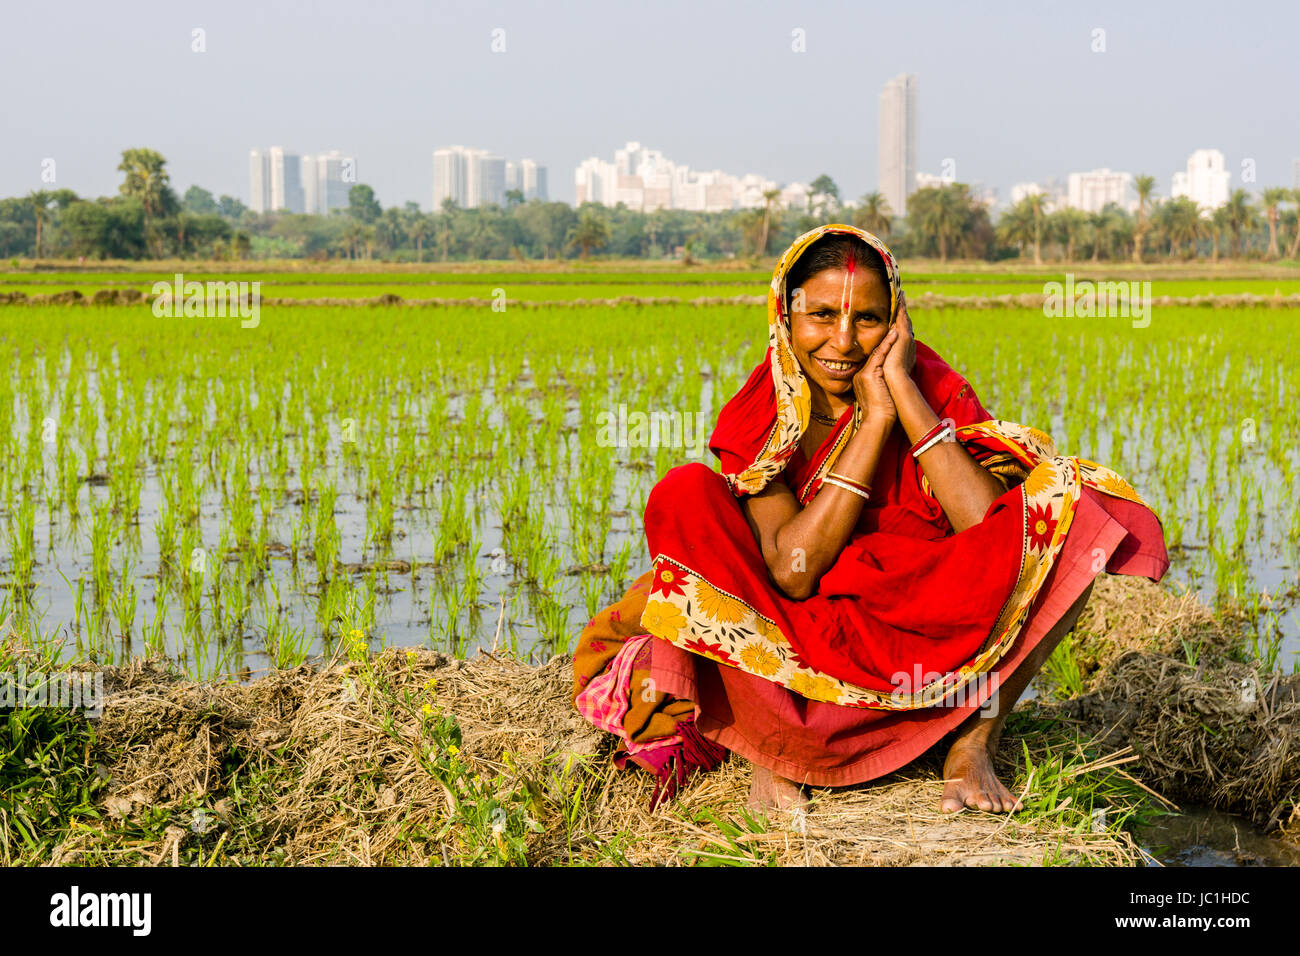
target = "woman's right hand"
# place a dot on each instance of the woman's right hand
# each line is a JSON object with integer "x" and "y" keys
{"x": 870, "y": 389}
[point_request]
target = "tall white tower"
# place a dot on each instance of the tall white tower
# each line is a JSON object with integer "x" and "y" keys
{"x": 898, "y": 141}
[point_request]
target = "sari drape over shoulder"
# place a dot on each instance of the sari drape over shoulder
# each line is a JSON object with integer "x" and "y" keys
{"x": 909, "y": 630}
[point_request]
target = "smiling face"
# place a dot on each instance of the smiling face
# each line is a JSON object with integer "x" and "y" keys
{"x": 834, "y": 325}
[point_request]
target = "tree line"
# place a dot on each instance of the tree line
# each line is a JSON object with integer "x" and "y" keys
{"x": 147, "y": 220}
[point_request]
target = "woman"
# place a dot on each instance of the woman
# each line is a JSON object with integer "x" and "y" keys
{"x": 879, "y": 564}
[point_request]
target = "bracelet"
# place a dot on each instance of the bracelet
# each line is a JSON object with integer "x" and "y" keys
{"x": 861, "y": 486}
{"x": 945, "y": 434}
{"x": 938, "y": 427}
{"x": 828, "y": 480}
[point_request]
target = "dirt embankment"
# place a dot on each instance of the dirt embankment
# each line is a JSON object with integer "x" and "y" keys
{"x": 409, "y": 757}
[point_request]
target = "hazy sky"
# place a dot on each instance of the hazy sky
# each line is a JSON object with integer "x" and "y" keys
{"x": 1009, "y": 95}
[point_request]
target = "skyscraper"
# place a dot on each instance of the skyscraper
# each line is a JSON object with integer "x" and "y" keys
{"x": 485, "y": 179}
{"x": 1092, "y": 191}
{"x": 336, "y": 174}
{"x": 259, "y": 181}
{"x": 286, "y": 180}
{"x": 478, "y": 177}
{"x": 898, "y": 141}
{"x": 1205, "y": 182}
{"x": 310, "y": 188}
{"x": 449, "y": 169}
{"x": 532, "y": 179}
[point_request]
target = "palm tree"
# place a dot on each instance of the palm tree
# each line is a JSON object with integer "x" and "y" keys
{"x": 1273, "y": 197}
{"x": 590, "y": 232}
{"x": 1104, "y": 226}
{"x": 40, "y": 201}
{"x": 824, "y": 187}
{"x": 941, "y": 215}
{"x": 390, "y": 228}
{"x": 147, "y": 181}
{"x": 1295, "y": 242}
{"x": 749, "y": 223}
{"x": 1017, "y": 225}
{"x": 1145, "y": 186}
{"x": 1241, "y": 217}
{"x": 1217, "y": 226}
{"x": 418, "y": 227}
{"x": 1069, "y": 224}
{"x": 353, "y": 232}
{"x": 769, "y": 197}
{"x": 874, "y": 214}
{"x": 184, "y": 220}
{"x": 948, "y": 216}
{"x": 1183, "y": 224}
{"x": 445, "y": 225}
{"x": 1157, "y": 225}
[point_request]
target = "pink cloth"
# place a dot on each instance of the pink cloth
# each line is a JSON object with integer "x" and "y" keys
{"x": 604, "y": 701}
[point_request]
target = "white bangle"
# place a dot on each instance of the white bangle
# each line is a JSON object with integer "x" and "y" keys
{"x": 828, "y": 480}
{"x": 944, "y": 435}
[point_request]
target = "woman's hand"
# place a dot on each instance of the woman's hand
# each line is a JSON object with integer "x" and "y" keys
{"x": 902, "y": 353}
{"x": 870, "y": 387}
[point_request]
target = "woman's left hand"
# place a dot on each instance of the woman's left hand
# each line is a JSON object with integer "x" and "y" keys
{"x": 902, "y": 355}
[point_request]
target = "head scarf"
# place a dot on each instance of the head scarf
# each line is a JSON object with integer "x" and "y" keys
{"x": 772, "y": 410}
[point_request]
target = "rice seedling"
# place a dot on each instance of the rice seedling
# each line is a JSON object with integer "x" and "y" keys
{"x": 335, "y": 434}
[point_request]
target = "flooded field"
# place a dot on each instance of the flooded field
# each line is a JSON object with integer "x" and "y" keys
{"x": 242, "y": 498}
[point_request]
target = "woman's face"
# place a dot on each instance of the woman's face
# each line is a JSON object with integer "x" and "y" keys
{"x": 835, "y": 325}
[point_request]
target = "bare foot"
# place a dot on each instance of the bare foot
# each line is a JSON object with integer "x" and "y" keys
{"x": 972, "y": 783}
{"x": 767, "y": 791}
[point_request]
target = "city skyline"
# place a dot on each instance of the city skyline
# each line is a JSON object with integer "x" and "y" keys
{"x": 478, "y": 177}
{"x": 644, "y": 179}
{"x": 288, "y": 181}
{"x": 1010, "y": 96}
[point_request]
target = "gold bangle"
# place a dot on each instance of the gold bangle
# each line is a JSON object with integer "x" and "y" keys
{"x": 853, "y": 481}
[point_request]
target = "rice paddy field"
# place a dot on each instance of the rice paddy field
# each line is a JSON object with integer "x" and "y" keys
{"x": 557, "y": 287}
{"x": 241, "y": 499}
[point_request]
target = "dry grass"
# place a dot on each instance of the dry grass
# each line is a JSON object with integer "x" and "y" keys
{"x": 348, "y": 763}
{"x": 1219, "y": 733}
{"x": 1128, "y": 614}
{"x": 344, "y": 790}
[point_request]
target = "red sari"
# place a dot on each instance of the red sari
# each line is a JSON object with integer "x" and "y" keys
{"x": 904, "y": 597}
{"x": 910, "y": 631}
